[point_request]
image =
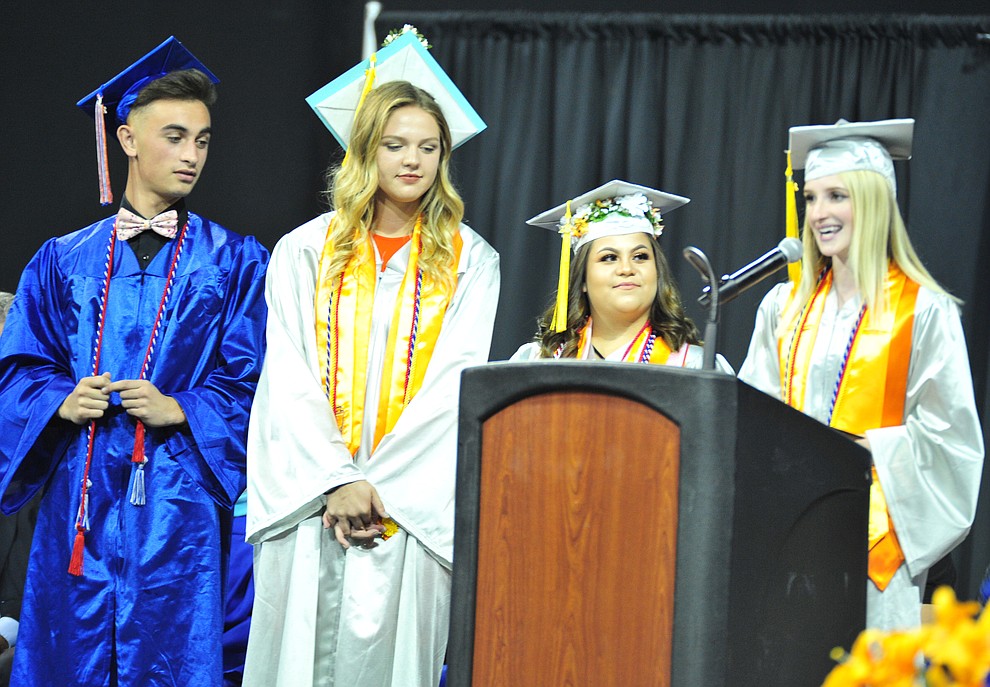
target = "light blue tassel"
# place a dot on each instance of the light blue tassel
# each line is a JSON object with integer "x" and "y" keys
{"x": 137, "y": 489}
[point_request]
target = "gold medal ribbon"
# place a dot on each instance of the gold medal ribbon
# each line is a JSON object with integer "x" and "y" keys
{"x": 871, "y": 392}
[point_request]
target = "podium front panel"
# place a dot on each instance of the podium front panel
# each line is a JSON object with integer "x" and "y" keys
{"x": 751, "y": 514}
{"x": 587, "y": 491}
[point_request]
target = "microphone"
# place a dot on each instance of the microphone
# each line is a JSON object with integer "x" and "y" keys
{"x": 731, "y": 285}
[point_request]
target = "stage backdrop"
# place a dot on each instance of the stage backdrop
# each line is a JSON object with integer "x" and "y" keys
{"x": 697, "y": 105}
{"x": 700, "y": 106}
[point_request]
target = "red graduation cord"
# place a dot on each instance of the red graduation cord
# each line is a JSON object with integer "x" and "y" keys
{"x": 82, "y": 519}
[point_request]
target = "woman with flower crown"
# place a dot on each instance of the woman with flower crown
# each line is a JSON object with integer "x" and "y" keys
{"x": 375, "y": 308}
{"x": 866, "y": 341}
{"x": 615, "y": 299}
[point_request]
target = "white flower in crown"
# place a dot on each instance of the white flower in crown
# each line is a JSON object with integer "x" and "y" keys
{"x": 633, "y": 205}
{"x": 582, "y": 212}
{"x": 406, "y": 28}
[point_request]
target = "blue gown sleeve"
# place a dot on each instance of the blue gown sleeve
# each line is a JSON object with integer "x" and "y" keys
{"x": 35, "y": 378}
{"x": 212, "y": 446}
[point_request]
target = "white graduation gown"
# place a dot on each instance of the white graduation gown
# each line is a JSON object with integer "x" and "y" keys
{"x": 930, "y": 466}
{"x": 366, "y": 617}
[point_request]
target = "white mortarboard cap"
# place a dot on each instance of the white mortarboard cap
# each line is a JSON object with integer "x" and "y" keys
{"x": 615, "y": 208}
{"x": 404, "y": 59}
{"x": 849, "y": 146}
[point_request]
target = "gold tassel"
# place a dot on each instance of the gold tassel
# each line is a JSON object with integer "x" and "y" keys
{"x": 559, "y": 323}
{"x": 369, "y": 83}
{"x": 791, "y": 228}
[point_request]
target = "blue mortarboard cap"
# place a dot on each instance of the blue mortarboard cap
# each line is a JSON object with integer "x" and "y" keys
{"x": 404, "y": 59}
{"x": 121, "y": 91}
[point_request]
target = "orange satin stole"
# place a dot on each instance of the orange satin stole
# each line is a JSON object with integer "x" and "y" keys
{"x": 871, "y": 394}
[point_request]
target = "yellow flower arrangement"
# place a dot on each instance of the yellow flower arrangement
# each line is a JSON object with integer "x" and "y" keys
{"x": 632, "y": 205}
{"x": 954, "y": 651}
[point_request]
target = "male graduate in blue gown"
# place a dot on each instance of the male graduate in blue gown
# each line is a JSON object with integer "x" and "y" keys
{"x": 127, "y": 371}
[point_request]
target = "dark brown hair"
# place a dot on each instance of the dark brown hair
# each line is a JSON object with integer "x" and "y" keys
{"x": 183, "y": 84}
{"x": 667, "y": 315}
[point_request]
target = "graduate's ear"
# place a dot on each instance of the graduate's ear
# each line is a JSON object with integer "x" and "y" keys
{"x": 125, "y": 134}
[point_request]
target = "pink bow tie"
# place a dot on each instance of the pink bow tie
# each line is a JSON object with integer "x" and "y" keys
{"x": 130, "y": 225}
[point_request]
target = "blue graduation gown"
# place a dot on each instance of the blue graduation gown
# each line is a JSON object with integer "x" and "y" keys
{"x": 149, "y": 606}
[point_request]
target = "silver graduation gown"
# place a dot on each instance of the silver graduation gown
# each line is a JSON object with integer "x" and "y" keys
{"x": 296, "y": 454}
{"x": 930, "y": 466}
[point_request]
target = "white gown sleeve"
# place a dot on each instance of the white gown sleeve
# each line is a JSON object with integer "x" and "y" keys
{"x": 295, "y": 450}
{"x": 930, "y": 467}
{"x": 761, "y": 368}
{"x": 527, "y": 353}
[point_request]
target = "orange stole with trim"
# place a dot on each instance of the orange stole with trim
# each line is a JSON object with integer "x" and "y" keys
{"x": 343, "y": 331}
{"x": 871, "y": 394}
{"x": 658, "y": 356}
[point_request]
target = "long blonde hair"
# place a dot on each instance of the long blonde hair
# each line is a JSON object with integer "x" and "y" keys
{"x": 879, "y": 237}
{"x": 353, "y": 187}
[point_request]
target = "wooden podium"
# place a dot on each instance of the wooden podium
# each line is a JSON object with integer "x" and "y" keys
{"x": 636, "y": 525}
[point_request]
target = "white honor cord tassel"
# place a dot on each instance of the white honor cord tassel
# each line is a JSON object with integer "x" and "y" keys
{"x": 137, "y": 488}
{"x": 84, "y": 507}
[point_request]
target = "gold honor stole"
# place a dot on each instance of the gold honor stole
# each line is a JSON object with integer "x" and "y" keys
{"x": 871, "y": 391}
{"x": 645, "y": 348}
{"x": 343, "y": 333}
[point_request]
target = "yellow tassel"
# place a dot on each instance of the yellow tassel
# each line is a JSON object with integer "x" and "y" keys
{"x": 559, "y": 323}
{"x": 369, "y": 83}
{"x": 791, "y": 230}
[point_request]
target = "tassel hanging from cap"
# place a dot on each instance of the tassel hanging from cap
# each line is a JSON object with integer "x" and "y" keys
{"x": 369, "y": 83}
{"x": 791, "y": 228}
{"x": 103, "y": 167}
{"x": 559, "y": 323}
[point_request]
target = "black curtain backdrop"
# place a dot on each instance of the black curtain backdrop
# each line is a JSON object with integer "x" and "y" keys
{"x": 268, "y": 154}
{"x": 700, "y": 106}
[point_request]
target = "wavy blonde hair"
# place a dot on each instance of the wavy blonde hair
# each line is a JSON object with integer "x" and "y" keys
{"x": 879, "y": 237}
{"x": 353, "y": 187}
{"x": 667, "y": 317}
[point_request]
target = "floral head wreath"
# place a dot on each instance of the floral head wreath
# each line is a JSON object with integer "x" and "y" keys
{"x": 634, "y": 206}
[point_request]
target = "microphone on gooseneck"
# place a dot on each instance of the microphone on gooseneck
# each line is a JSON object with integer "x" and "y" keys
{"x": 731, "y": 285}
